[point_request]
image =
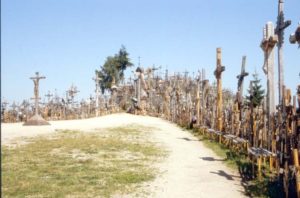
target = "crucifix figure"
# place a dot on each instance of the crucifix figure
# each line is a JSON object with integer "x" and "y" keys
{"x": 36, "y": 80}
{"x": 218, "y": 74}
{"x": 36, "y": 119}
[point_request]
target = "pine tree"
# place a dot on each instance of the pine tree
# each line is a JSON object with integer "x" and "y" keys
{"x": 113, "y": 69}
{"x": 257, "y": 92}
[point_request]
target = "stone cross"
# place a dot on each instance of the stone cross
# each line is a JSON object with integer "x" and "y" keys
{"x": 218, "y": 74}
{"x": 97, "y": 91}
{"x": 36, "y": 98}
{"x": 36, "y": 119}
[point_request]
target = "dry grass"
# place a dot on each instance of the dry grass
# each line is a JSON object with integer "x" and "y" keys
{"x": 102, "y": 163}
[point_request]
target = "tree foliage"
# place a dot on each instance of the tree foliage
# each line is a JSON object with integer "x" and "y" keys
{"x": 257, "y": 95}
{"x": 113, "y": 69}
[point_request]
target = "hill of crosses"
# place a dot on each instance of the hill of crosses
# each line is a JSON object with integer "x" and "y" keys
{"x": 252, "y": 127}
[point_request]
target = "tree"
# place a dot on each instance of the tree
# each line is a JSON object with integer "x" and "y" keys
{"x": 257, "y": 92}
{"x": 113, "y": 69}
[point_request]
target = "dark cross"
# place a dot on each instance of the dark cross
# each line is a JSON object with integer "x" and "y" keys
{"x": 72, "y": 92}
{"x": 295, "y": 37}
{"x": 48, "y": 96}
{"x": 240, "y": 78}
{"x": 4, "y": 104}
{"x": 36, "y": 80}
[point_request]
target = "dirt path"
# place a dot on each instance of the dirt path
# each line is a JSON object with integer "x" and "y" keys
{"x": 191, "y": 170}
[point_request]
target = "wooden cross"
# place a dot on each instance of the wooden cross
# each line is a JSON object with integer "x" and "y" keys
{"x": 218, "y": 74}
{"x": 72, "y": 92}
{"x": 281, "y": 25}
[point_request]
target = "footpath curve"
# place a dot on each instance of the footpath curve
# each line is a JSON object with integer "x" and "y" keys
{"x": 191, "y": 170}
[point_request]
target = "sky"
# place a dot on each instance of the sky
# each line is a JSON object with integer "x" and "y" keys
{"x": 67, "y": 40}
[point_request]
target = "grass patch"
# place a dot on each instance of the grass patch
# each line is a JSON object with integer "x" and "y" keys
{"x": 72, "y": 163}
{"x": 268, "y": 186}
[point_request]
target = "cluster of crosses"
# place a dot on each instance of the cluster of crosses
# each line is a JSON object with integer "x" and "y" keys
{"x": 265, "y": 132}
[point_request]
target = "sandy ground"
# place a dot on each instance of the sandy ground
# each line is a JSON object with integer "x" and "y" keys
{"x": 190, "y": 171}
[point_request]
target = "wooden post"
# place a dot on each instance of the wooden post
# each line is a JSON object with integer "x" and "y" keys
{"x": 259, "y": 167}
{"x": 271, "y": 163}
{"x": 296, "y": 164}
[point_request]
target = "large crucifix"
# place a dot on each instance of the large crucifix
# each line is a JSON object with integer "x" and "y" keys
{"x": 36, "y": 98}
{"x": 36, "y": 119}
{"x": 218, "y": 74}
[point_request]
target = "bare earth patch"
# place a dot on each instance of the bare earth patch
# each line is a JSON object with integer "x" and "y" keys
{"x": 185, "y": 171}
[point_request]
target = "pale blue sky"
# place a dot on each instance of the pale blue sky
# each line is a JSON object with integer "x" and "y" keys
{"x": 67, "y": 40}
